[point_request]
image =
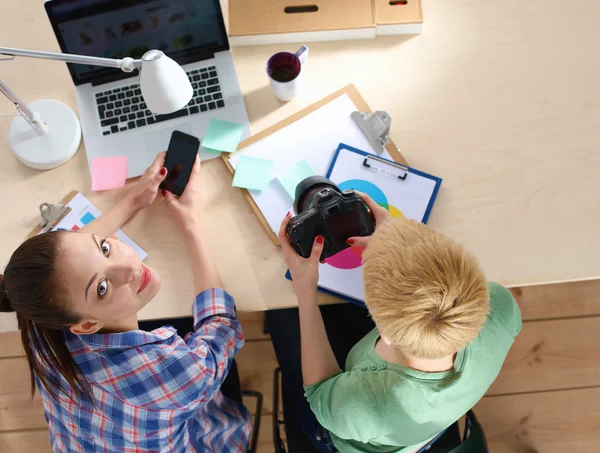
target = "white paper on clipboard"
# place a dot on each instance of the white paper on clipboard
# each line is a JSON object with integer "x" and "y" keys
{"x": 313, "y": 138}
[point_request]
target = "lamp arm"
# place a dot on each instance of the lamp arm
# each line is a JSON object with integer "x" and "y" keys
{"x": 31, "y": 116}
{"x": 126, "y": 64}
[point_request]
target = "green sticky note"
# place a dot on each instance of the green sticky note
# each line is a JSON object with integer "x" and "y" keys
{"x": 291, "y": 177}
{"x": 252, "y": 173}
{"x": 222, "y": 136}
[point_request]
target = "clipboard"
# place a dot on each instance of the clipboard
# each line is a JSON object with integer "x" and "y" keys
{"x": 73, "y": 213}
{"x": 361, "y": 106}
{"x": 403, "y": 191}
{"x": 392, "y": 171}
{"x": 52, "y": 214}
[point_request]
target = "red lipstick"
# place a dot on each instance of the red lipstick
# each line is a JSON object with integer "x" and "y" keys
{"x": 146, "y": 278}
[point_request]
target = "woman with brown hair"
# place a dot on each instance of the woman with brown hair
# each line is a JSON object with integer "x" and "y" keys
{"x": 106, "y": 384}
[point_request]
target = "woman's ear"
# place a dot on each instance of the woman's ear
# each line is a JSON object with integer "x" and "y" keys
{"x": 86, "y": 327}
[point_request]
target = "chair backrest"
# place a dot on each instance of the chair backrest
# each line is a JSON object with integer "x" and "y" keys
{"x": 474, "y": 440}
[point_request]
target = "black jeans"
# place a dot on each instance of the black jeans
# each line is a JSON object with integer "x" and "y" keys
{"x": 231, "y": 385}
{"x": 346, "y": 324}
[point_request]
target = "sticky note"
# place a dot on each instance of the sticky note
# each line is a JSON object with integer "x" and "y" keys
{"x": 252, "y": 173}
{"x": 291, "y": 177}
{"x": 222, "y": 136}
{"x": 87, "y": 218}
{"x": 109, "y": 172}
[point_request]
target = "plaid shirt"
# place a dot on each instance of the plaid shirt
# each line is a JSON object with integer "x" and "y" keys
{"x": 153, "y": 391}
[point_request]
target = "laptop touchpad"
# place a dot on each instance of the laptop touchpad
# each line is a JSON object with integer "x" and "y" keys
{"x": 158, "y": 141}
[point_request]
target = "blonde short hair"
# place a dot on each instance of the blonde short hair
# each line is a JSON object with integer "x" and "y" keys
{"x": 426, "y": 294}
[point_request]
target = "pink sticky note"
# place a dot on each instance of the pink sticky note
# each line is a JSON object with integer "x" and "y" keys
{"x": 109, "y": 172}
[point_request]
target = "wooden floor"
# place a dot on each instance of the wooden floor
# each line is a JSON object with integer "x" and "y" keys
{"x": 547, "y": 398}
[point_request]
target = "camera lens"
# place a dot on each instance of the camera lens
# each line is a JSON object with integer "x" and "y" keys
{"x": 308, "y": 190}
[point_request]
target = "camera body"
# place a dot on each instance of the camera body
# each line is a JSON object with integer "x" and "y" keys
{"x": 323, "y": 209}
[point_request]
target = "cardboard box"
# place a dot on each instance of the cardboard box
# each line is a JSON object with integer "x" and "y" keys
{"x": 256, "y": 22}
{"x": 398, "y": 17}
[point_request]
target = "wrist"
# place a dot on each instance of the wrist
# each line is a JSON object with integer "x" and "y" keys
{"x": 131, "y": 202}
{"x": 129, "y": 205}
{"x": 191, "y": 228}
{"x": 306, "y": 294}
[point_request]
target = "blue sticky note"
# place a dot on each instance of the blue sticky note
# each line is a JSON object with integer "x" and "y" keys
{"x": 291, "y": 177}
{"x": 87, "y": 218}
{"x": 222, "y": 136}
{"x": 252, "y": 173}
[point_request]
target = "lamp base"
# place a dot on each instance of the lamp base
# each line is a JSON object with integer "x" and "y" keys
{"x": 57, "y": 146}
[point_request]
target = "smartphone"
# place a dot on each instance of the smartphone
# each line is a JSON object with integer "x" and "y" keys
{"x": 179, "y": 161}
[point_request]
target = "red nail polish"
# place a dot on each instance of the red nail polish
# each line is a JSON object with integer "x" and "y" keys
{"x": 350, "y": 242}
{"x": 288, "y": 214}
{"x": 164, "y": 193}
{"x": 163, "y": 171}
{"x": 320, "y": 239}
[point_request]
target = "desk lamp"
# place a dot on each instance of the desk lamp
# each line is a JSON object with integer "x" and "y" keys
{"x": 47, "y": 133}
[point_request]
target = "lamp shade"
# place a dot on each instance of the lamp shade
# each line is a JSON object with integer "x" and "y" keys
{"x": 165, "y": 85}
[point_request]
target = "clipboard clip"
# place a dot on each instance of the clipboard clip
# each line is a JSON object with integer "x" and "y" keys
{"x": 391, "y": 168}
{"x": 375, "y": 127}
{"x": 52, "y": 214}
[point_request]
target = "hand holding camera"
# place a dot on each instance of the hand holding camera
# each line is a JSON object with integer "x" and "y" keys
{"x": 305, "y": 271}
{"x": 324, "y": 210}
{"x": 381, "y": 215}
{"x": 327, "y": 222}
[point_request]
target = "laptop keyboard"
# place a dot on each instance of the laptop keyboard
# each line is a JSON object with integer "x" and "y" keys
{"x": 122, "y": 109}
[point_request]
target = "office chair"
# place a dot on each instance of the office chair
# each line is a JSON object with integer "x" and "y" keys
{"x": 257, "y": 414}
{"x": 473, "y": 441}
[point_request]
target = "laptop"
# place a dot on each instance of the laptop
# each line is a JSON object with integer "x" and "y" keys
{"x": 114, "y": 118}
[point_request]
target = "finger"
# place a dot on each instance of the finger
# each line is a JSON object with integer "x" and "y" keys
{"x": 284, "y": 224}
{"x": 159, "y": 160}
{"x": 158, "y": 179}
{"x": 169, "y": 197}
{"x": 358, "y": 241}
{"x": 317, "y": 248}
{"x": 368, "y": 201}
{"x": 283, "y": 237}
{"x": 196, "y": 166}
{"x": 195, "y": 174}
{"x": 154, "y": 169}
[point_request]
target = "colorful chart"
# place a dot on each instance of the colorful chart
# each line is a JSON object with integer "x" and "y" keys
{"x": 87, "y": 218}
{"x": 351, "y": 258}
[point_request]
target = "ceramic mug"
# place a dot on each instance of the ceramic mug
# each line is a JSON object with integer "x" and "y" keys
{"x": 285, "y": 70}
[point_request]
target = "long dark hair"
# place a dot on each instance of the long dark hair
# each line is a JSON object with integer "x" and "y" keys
{"x": 31, "y": 287}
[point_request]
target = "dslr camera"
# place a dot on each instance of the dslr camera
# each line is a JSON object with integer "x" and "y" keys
{"x": 323, "y": 209}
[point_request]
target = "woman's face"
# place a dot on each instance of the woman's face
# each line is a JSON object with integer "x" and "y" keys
{"x": 106, "y": 281}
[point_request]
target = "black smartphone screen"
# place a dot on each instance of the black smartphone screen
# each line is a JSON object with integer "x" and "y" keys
{"x": 182, "y": 152}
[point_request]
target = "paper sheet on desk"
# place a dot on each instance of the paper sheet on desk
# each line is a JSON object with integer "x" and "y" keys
{"x": 83, "y": 212}
{"x": 313, "y": 138}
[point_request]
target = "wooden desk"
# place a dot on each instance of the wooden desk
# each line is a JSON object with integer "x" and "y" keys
{"x": 500, "y": 99}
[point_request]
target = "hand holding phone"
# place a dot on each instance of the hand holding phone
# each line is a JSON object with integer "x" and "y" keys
{"x": 180, "y": 158}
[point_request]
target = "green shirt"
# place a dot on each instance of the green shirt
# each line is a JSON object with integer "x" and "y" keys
{"x": 381, "y": 407}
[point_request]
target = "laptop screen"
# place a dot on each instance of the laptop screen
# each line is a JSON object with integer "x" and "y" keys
{"x": 185, "y": 30}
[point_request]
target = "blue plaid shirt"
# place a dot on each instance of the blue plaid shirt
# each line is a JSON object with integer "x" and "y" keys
{"x": 153, "y": 391}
